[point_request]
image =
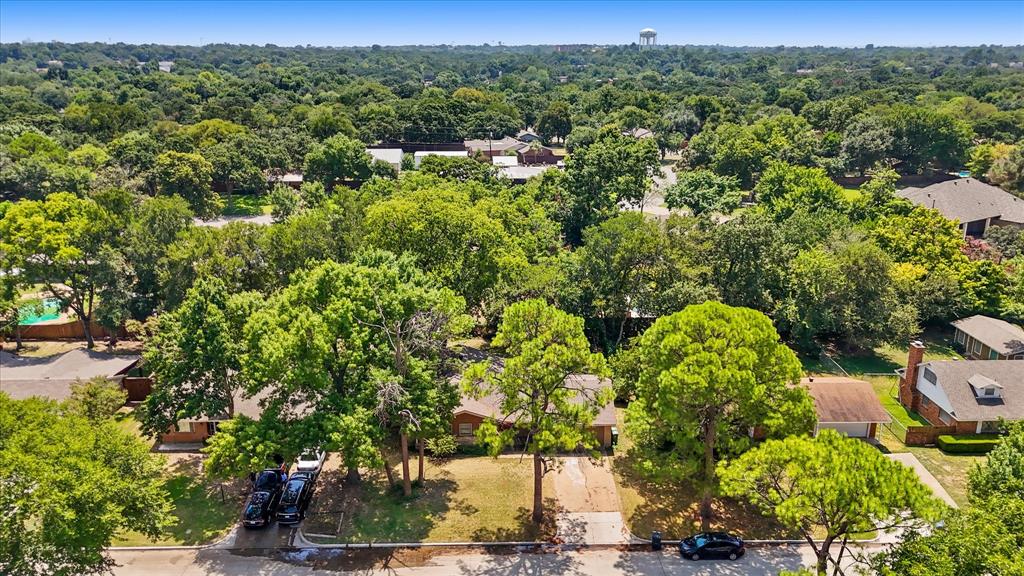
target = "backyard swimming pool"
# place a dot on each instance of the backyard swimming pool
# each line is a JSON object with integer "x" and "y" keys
{"x": 34, "y": 313}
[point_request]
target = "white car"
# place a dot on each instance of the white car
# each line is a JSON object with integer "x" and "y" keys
{"x": 311, "y": 461}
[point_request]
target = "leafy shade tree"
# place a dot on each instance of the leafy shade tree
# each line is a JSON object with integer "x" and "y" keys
{"x": 190, "y": 176}
{"x": 153, "y": 226}
{"x": 347, "y": 353}
{"x": 1008, "y": 171}
{"x": 59, "y": 242}
{"x": 461, "y": 169}
{"x": 702, "y": 191}
{"x": 542, "y": 387}
{"x": 1003, "y": 471}
{"x": 783, "y": 189}
{"x": 555, "y": 122}
{"x": 614, "y": 169}
{"x": 193, "y": 354}
{"x": 338, "y": 158}
{"x": 829, "y": 485}
{"x": 97, "y": 398}
{"x": 707, "y": 376}
{"x": 68, "y": 486}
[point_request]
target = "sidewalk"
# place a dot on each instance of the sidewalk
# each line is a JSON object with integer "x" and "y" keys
{"x": 911, "y": 461}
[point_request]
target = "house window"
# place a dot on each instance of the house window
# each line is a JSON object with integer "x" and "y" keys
{"x": 925, "y": 401}
{"x": 929, "y": 375}
{"x": 465, "y": 429}
{"x": 959, "y": 337}
{"x": 993, "y": 355}
{"x": 946, "y": 418}
{"x": 976, "y": 348}
{"x": 989, "y": 427}
{"x": 990, "y": 392}
{"x": 211, "y": 428}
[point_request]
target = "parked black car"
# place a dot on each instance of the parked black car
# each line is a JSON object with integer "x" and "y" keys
{"x": 266, "y": 493}
{"x": 295, "y": 498}
{"x": 712, "y": 545}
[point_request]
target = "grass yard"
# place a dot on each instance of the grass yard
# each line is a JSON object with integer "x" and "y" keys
{"x": 672, "y": 508}
{"x": 247, "y": 205}
{"x": 884, "y": 359}
{"x": 462, "y": 499}
{"x": 202, "y": 515}
{"x": 949, "y": 469}
{"x": 886, "y": 390}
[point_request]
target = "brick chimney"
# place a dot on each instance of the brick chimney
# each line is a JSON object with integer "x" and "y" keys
{"x": 909, "y": 396}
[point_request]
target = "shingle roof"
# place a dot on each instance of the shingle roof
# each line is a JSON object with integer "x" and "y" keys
{"x": 506, "y": 143}
{"x": 490, "y": 406}
{"x": 967, "y": 200}
{"x": 52, "y": 377}
{"x": 1005, "y": 338}
{"x": 845, "y": 400}
{"x": 953, "y": 376}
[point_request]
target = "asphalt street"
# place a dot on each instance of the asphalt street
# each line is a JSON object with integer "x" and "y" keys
{"x": 458, "y": 562}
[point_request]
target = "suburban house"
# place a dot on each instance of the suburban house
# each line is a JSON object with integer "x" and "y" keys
{"x": 197, "y": 430}
{"x": 472, "y": 412}
{"x": 973, "y": 203}
{"x": 51, "y": 377}
{"x": 846, "y": 405}
{"x": 527, "y": 136}
{"x": 420, "y": 155}
{"x": 962, "y": 396}
{"x": 638, "y": 133}
{"x": 392, "y": 156}
{"x": 984, "y": 338}
{"x": 537, "y": 155}
{"x": 491, "y": 148}
{"x": 290, "y": 179}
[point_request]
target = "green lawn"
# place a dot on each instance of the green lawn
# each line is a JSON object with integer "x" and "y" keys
{"x": 201, "y": 514}
{"x": 247, "y": 205}
{"x": 672, "y": 507}
{"x": 886, "y": 390}
{"x": 462, "y": 499}
{"x": 884, "y": 359}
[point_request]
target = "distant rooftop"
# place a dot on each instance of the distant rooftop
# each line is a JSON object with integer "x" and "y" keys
{"x": 967, "y": 200}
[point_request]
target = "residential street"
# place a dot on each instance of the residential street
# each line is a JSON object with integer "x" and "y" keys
{"x": 604, "y": 562}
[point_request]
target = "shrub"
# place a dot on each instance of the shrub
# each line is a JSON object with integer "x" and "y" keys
{"x": 968, "y": 443}
{"x": 472, "y": 449}
{"x": 442, "y": 446}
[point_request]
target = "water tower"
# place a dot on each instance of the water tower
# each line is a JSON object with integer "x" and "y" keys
{"x": 648, "y": 38}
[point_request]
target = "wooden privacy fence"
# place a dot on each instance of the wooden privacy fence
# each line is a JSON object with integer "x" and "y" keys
{"x": 137, "y": 387}
{"x": 69, "y": 330}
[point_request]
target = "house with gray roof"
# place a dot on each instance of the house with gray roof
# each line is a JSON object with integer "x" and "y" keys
{"x": 962, "y": 396}
{"x": 472, "y": 412}
{"x": 974, "y": 204}
{"x": 52, "y": 376}
{"x": 984, "y": 338}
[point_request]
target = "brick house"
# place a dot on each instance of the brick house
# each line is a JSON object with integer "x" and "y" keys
{"x": 472, "y": 412}
{"x": 983, "y": 338}
{"x": 962, "y": 396}
{"x": 199, "y": 429}
{"x": 845, "y": 405}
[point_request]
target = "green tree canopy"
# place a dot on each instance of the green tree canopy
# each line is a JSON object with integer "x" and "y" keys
{"x": 707, "y": 376}
{"x": 830, "y": 484}
{"x": 541, "y": 385}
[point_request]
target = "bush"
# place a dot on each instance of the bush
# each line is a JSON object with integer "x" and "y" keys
{"x": 472, "y": 450}
{"x": 442, "y": 446}
{"x": 968, "y": 443}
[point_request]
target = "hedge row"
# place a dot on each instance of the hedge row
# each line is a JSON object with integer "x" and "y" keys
{"x": 968, "y": 443}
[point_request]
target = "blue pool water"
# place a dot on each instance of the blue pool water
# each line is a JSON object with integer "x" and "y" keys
{"x": 30, "y": 314}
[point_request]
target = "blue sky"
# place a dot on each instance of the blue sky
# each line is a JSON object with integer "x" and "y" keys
{"x": 517, "y": 22}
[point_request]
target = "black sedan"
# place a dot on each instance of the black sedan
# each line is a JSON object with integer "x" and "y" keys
{"x": 712, "y": 545}
{"x": 295, "y": 498}
{"x": 259, "y": 509}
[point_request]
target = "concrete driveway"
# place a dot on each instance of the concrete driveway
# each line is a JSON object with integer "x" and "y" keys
{"x": 911, "y": 461}
{"x": 588, "y": 503}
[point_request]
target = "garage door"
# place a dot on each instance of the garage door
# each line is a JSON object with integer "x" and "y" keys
{"x": 851, "y": 430}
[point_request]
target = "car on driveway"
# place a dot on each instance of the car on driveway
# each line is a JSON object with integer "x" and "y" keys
{"x": 712, "y": 545}
{"x": 266, "y": 493}
{"x": 295, "y": 498}
{"x": 311, "y": 461}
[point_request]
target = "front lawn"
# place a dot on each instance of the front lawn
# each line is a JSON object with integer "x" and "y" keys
{"x": 673, "y": 507}
{"x": 203, "y": 510}
{"x": 247, "y": 205}
{"x": 462, "y": 499}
